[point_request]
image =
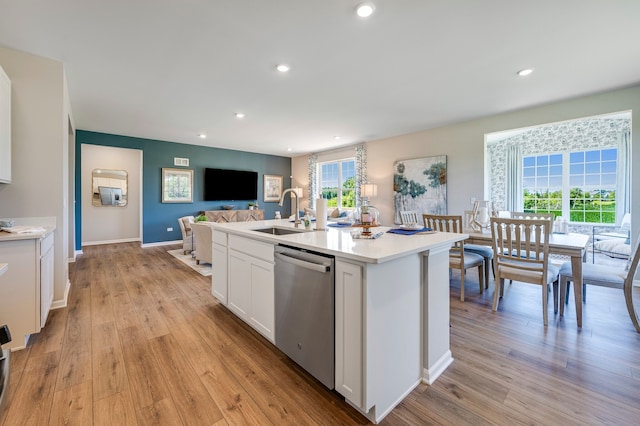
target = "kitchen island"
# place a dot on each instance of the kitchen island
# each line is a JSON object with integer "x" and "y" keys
{"x": 391, "y": 302}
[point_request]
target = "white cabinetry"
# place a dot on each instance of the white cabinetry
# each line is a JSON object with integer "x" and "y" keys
{"x": 5, "y": 128}
{"x": 378, "y": 343}
{"x": 46, "y": 277}
{"x": 348, "y": 300}
{"x": 26, "y": 289}
{"x": 251, "y": 283}
{"x": 219, "y": 266}
{"x": 239, "y": 284}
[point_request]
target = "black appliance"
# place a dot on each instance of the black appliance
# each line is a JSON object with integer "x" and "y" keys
{"x": 5, "y": 355}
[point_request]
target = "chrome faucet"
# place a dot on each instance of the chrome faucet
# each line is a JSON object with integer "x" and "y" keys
{"x": 293, "y": 194}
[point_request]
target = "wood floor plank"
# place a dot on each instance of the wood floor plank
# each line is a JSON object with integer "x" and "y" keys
{"x": 109, "y": 374}
{"x": 116, "y": 409}
{"x": 146, "y": 383}
{"x": 51, "y": 341}
{"x": 228, "y": 393}
{"x": 189, "y": 395}
{"x": 73, "y": 406}
{"x": 159, "y": 413}
{"x": 31, "y": 403}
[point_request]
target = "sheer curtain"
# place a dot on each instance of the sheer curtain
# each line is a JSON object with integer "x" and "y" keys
{"x": 513, "y": 186}
{"x": 361, "y": 170}
{"x": 623, "y": 194}
{"x": 313, "y": 181}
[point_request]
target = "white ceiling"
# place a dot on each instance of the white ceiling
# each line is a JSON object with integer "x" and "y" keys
{"x": 171, "y": 69}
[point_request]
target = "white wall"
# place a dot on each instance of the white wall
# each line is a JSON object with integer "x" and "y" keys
{"x": 463, "y": 144}
{"x": 109, "y": 223}
{"x": 41, "y": 120}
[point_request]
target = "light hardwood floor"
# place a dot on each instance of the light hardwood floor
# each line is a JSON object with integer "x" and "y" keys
{"x": 144, "y": 342}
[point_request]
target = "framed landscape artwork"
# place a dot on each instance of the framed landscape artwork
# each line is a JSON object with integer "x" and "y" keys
{"x": 421, "y": 185}
{"x": 272, "y": 188}
{"x": 177, "y": 185}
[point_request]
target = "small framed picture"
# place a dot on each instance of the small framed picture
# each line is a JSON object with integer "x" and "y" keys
{"x": 272, "y": 188}
{"x": 177, "y": 185}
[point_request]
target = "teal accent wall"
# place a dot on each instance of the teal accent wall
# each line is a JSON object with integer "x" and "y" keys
{"x": 158, "y": 216}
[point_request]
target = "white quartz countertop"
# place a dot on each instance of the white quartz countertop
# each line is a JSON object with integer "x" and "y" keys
{"x": 9, "y": 236}
{"x": 43, "y": 225}
{"x": 338, "y": 241}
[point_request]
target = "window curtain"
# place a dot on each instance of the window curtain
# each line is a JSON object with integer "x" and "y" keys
{"x": 623, "y": 193}
{"x": 513, "y": 186}
{"x": 313, "y": 180}
{"x": 361, "y": 170}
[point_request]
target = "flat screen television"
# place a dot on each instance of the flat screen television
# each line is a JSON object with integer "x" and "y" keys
{"x": 230, "y": 185}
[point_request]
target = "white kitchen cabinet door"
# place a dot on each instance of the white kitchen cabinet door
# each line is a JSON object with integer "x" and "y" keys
{"x": 46, "y": 283}
{"x": 5, "y": 127}
{"x": 349, "y": 332}
{"x": 219, "y": 277}
{"x": 262, "y": 316}
{"x": 239, "y": 284}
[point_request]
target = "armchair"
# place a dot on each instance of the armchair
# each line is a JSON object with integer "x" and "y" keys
{"x": 185, "y": 223}
{"x": 613, "y": 243}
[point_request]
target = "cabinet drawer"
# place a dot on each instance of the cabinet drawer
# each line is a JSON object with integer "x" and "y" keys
{"x": 220, "y": 237}
{"x": 254, "y": 248}
{"x": 45, "y": 244}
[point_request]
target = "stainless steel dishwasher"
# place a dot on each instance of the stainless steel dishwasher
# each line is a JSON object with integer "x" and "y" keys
{"x": 304, "y": 302}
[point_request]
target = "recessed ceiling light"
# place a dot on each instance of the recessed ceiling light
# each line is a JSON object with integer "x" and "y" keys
{"x": 202, "y": 136}
{"x": 239, "y": 114}
{"x": 289, "y": 149}
{"x": 364, "y": 10}
{"x": 525, "y": 72}
{"x": 336, "y": 137}
{"x": 283, "y": 67}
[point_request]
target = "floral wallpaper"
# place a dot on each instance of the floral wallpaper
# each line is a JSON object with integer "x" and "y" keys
{"x": 577, "y": 134}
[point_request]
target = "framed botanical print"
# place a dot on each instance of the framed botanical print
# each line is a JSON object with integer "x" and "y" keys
{"x": 177, "y": 185}
{"x": 272, "y": 188}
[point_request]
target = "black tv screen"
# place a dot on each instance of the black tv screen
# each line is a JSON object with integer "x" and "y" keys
{"x": 230, "y": 185}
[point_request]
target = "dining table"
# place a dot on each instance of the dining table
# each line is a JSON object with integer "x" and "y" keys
{"x": 572, "y": 245}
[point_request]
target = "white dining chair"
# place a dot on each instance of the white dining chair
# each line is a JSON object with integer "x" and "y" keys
{"x": 410, "y": 217}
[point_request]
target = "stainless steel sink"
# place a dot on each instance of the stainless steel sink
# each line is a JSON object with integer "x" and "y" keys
{"x": 279, "y": 231}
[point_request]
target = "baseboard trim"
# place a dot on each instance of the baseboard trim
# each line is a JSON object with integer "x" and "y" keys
{"x": 97, "y": 243}
{"x": 57, "y": 304}
{"x": 429, "y": 375}
{"x": 161, "y": 243}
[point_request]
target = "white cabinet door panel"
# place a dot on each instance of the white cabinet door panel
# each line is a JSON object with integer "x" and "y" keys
{"x": 262, "y": 298}
{"x": 239, "y": 284}
{"x": 219, "y": 277}
{"x": 349, "y": 332}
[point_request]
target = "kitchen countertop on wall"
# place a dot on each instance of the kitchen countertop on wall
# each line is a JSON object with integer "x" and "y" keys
{"x": 42, "y": 225}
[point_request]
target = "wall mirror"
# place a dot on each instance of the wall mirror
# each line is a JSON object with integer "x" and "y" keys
{"x": 109, "y": 188}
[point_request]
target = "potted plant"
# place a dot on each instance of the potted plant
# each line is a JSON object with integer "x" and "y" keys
{"x": 201, "y": 218}
{"x": 251, "y": 205}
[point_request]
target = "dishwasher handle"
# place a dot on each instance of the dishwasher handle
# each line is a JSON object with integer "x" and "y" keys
{"x": 318, "y": 267}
